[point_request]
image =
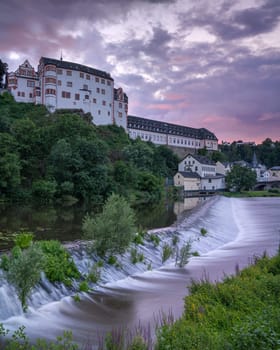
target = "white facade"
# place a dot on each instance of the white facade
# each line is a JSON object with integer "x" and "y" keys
{"x": 23, "y": 82}
{"x": 198, "y": 164}
{"x": 66, "y": 85}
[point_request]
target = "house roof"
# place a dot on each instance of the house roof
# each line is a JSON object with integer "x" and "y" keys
{"x": 189, "y": 174}
{"x": 144, "y": 124}
{"x": 200, "y": 159}
{"x": 75, "y": 66}
{"x": 275, "y": 168}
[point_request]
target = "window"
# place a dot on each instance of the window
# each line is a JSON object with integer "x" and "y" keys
{"x": 69, "y": 84}
{"x": 50, "y": 92}
{"x": 30, "y": 95}
{"x": 102, "y": 81}
{"x": 120, "y": 105}
{"x": 66, "y": 94}
{"x": 23, "y": 94}
{"x": 103, "y": 91}
{"x": 77, "y": 97}
{"x": 59, "y": 82}
{"x": 98, "y": 90}
{"x": 38, "y": 93}
{"x": 18, "y": 93}
{"x": 96, "y": 80}
{"x": 49, "y": 80}
{"x": 108, "y": 83}
{"x": 209, "y": 180}
{"x": 59, "y": 71}
{"x": 50, "y": 68}
{"x": 69, "y": 73}
{"x": 109, "y": 113}
{"x": 86, "y": 97}
{"x": 94, "y": 100}
{"x": 88, "y": 77}
{"x": 104, "y": 103}
{"x": 12, "y": 81}
{"x": 85, "y": 87}
{"x": 120, "y": 114}
{"x": 81, "y": 75}
{"x": 99, "y": 112}
{"x": 30, "y": 83}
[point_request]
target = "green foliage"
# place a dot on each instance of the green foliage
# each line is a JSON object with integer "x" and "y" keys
{"x": 138, "y": 343}
{"x": 167, "y": 252}
{"x": 113, "y": 229}
{"x": 240, "y": 178}
{"x": 24, "y": 239}
{"x": 112, "y": 260}
{"x": 59, "y": 266}
{"x": 183, "y": 255}
{"x": 23, "y": 269}
{"x": 84, "y": 287}
{"x": 242, "y": 312}
{"x": 203, "y": 231}
{"x": 94, "y": 273}
{"x": 19, "y": 341}
{"x": 175, "y": 240}
{"x": 44, "y": 190}
{"x": 155, "y": 239}
{"x": 135, "y": 256}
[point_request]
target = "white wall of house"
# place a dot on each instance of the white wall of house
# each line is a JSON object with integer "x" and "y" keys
{"x": 190, "y": 162}
{"x": 212, "y": 183}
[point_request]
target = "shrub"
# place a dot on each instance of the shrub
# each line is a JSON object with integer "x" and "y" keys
{"x": 112, "y": 260}
{"x": 24, "y": 239}
{"x": 203, "y": 231}
{"x": 183, "y": 255}
{"x": 83, "y": 287}
{"x": 167, "y": 252}
{"x": 59, "y": 266}
{"x": 44, "y": 190}
{"x": 136, "y": 257}
{"x": 113, "y": 229}
{"x": 94, "y": 273}
{"x": 175, "y": 240}
{"x": 155, "y": 239}
{"x": 23, "y": 270}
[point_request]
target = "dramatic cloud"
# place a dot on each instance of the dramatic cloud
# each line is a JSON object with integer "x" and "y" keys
{"x": 197, "y": 63}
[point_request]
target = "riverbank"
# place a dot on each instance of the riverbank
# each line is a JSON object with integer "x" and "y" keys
{"x": 250, "y": 194}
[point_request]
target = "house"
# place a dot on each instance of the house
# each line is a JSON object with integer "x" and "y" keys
{"x": 199, "y": 174}
{"x": 275, "y": 171}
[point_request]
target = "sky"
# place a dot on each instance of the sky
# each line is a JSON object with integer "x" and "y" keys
{"x": 199, "y": 63}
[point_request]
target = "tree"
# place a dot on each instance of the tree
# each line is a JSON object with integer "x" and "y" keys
{"x": 3, "y": 72}
{"x": 23, "y": 270}
{"x": 113, "y": 229}
{"x": 240, "y": 178}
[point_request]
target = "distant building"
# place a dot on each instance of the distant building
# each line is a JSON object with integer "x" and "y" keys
{"x": 199, "y": 174}
{"x": 162, "y": 133}
{"x": 275, "y": 171}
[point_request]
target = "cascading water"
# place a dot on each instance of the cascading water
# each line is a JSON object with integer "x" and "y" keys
{"x": 129, "y": 292}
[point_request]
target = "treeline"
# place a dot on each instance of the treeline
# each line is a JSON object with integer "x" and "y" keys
{"x": 268, "y": 153}
{"x": 63, "y": 156}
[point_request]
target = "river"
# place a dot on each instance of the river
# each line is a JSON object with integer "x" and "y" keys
{"x": 237, "y": 230}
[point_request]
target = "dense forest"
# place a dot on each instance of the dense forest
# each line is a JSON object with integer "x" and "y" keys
{"x": 63, "y": 156}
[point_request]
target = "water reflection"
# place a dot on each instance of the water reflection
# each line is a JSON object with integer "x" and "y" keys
{"x": 64, "y": 223}
{"x": 189, "y": 203}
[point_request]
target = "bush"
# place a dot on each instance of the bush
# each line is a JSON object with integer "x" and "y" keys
{"x": 83, "y": 287}
{"x": 94, "y": 273}
{"x": 24, "y": 239}
{"x": 167, "y": 252}
{"x": 44, "y": 190}
{"x": 112, "y": 260}
{"x": 203, "y": 231}
{"x": 23, "y": 270}
{"x": 155, "y": 239}
{"x": 136, "y": 257}
{"x": 59, "y": 265}
{"x": 113, "y": 229}
{"x": 183, "y": 255}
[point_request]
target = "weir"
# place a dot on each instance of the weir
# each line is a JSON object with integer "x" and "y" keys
{"x": 237, "y": 229}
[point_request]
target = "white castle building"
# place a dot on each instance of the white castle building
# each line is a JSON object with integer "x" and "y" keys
{"x": 59, "y": 84}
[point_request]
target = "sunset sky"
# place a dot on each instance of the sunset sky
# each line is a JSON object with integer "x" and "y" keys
{"x": 199, "y": 63}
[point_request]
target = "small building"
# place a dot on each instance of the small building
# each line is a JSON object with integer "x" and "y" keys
{"x": 275, "y": 171}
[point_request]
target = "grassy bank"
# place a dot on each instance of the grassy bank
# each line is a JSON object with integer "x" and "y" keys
{"x": 241, "y": 313}
{"x": 243, "y": 194}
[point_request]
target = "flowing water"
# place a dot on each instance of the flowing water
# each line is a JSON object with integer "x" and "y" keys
{"x": 237, "y": 230}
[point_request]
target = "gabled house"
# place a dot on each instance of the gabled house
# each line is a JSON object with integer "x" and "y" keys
{"x": 198, "y": 174}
